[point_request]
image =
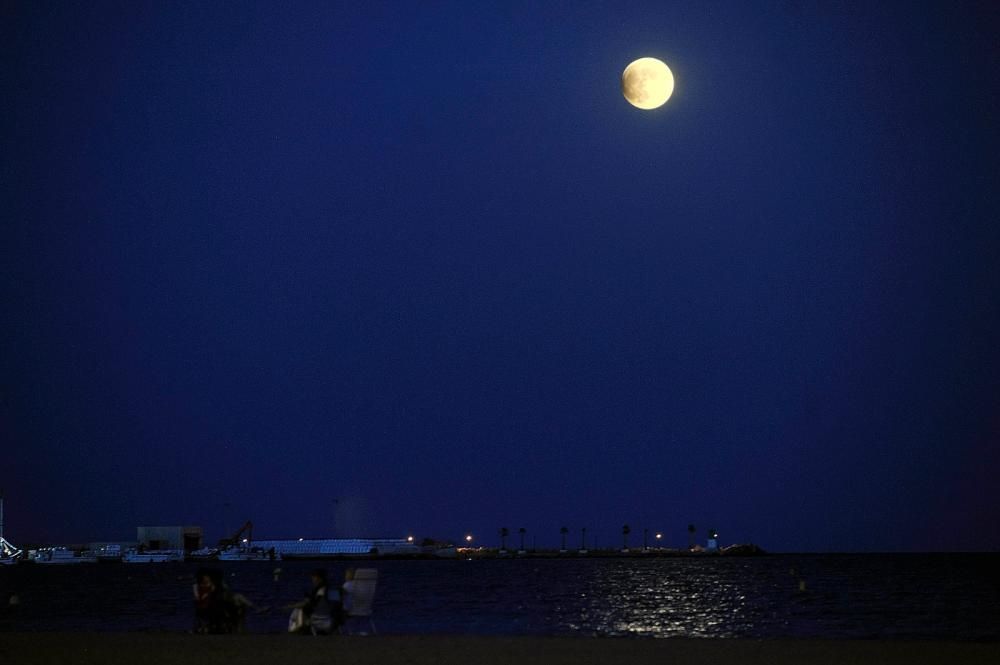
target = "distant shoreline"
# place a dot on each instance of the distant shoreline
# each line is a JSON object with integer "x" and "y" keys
{"x": 487, "y": 554}
{"x": 484, "y": 553}
{"x": 171, "y": 649}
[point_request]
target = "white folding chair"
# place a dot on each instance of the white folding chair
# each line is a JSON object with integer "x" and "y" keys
{"x": 359, "y": 594}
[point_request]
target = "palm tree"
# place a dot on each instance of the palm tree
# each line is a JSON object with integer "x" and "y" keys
{"x": 583, "y": 538}
{"x": 503, "y": 537}
{"x": 625, "y": 532}
{"x": 691, "y": 531}
{"x": 645, "y": 539}
{"x": 521, "y": 532}
{"x": 562, "y": 532}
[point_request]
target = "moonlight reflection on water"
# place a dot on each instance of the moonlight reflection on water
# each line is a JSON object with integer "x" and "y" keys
{"x": 658, "y": 601}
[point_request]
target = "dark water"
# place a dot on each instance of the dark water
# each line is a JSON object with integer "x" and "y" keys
{"x": 940, "y": 596}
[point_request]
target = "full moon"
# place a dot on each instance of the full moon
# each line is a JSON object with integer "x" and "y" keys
{"x": 647, "y": 83}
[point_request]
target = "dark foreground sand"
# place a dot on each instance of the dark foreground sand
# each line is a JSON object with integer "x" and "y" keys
{"x": 155, "y": 649}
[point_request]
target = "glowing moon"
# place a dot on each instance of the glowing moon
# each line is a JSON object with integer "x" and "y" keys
{"x": 647, "y": 83}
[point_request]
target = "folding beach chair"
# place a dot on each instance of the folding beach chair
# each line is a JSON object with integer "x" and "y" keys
{"x": 359, "y": 594}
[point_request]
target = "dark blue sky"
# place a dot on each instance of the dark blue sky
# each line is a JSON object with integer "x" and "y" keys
{"x": 420, "y": 268}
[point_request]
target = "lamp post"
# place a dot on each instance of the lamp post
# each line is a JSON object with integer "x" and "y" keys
{"x": 333, "y": 522}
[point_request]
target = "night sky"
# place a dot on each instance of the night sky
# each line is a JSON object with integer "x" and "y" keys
{"x": 355, "y": 269}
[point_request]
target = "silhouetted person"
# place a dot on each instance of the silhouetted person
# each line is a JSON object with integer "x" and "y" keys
{"x": 212, "y": 614}
{"x": 346, "y": 591}
{"x": 318, "y": 613}
{"x": 217, "y": 609}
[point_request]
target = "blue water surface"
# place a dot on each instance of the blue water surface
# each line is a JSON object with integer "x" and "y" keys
{"x": 884, "y": 596}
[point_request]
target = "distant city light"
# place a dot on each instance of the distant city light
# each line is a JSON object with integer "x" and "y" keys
{"x": 409, "y": 539}
{"x": 468, "y": 538}
{"x": 301, "y": 539}
{"x": 659, "y": 535}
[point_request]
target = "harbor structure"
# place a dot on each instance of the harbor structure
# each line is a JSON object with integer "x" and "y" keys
{"x": 313, "y": 548}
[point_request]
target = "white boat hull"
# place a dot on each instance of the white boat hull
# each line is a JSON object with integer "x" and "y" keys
{"x": 153, "y": 556}
{"x": 61, "y": 556}
{"x": 66, "y": 562}
{"x": 248, "y": 555}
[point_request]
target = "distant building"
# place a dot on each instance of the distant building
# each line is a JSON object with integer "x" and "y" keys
{"x": 187, "y": 538}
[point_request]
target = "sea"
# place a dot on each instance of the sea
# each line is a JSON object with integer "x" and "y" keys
{"x": 841, "y": 596}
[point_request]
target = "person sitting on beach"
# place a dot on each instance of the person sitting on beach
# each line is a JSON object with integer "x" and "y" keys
{"x": 346, "y": 592}
{"x": 218, "y": 610}
{"x": 213, "y": 615}
{"x": 318, "y": 613}
{"x": 242, "y": 605}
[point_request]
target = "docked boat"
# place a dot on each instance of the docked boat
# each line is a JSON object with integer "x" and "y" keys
{"x": 109, "y": 553}
{"x": 61, "y": 556}
{"x": 9, "y": 555}
{"x": 153, "y": 556}
{"x": 249, "y": 554}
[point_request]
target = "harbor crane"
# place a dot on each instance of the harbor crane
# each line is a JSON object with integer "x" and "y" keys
{"x": 236, "y": 540}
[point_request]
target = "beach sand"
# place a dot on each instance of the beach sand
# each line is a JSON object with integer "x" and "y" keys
{"x": 170, "y": 649}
